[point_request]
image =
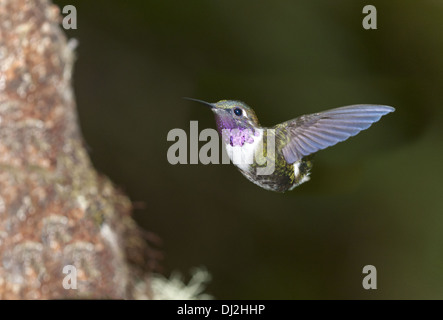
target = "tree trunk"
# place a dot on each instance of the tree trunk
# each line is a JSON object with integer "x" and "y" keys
{"x": 55, "y": 209}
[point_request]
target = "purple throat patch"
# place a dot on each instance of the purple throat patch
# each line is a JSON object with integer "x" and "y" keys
{"x": 238, "y": 137}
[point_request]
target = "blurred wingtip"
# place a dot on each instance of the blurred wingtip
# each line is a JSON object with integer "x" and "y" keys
{"x": 391, "y": 109}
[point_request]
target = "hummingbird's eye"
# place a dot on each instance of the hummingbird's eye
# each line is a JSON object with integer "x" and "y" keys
{"x": 238, "y": 112}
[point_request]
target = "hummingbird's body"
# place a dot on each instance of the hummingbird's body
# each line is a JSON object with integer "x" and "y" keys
{"x": 277, "y": 158}
{"x": 251, "y": 156}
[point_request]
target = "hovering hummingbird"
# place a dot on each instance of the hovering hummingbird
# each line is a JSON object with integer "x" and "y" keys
{"x": 293, "y": 141}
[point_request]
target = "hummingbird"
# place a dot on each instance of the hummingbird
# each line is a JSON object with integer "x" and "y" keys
{"x": 287, "y": 164}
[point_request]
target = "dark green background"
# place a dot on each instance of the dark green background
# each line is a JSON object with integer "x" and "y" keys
{"x": 375, "y": 199}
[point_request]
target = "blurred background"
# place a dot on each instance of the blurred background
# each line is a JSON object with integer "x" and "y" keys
{"x": 375, "y": 199}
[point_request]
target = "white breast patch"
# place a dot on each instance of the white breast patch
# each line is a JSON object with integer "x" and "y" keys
{"x": 243, "y": 156}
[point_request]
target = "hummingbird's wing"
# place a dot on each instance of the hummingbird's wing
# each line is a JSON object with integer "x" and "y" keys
{"x": 309, "y": 133}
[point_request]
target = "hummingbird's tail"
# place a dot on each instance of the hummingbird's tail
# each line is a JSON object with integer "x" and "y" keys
{"x": 302, "y": 170}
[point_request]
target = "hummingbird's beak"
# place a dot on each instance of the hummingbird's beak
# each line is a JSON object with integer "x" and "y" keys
{"x": 211, "y": 105}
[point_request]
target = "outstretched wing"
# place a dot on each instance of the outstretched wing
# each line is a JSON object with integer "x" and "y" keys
{"x": 309, "y": 133}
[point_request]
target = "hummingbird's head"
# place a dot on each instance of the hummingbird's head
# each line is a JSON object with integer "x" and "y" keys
{"x": 230, "y": 114}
